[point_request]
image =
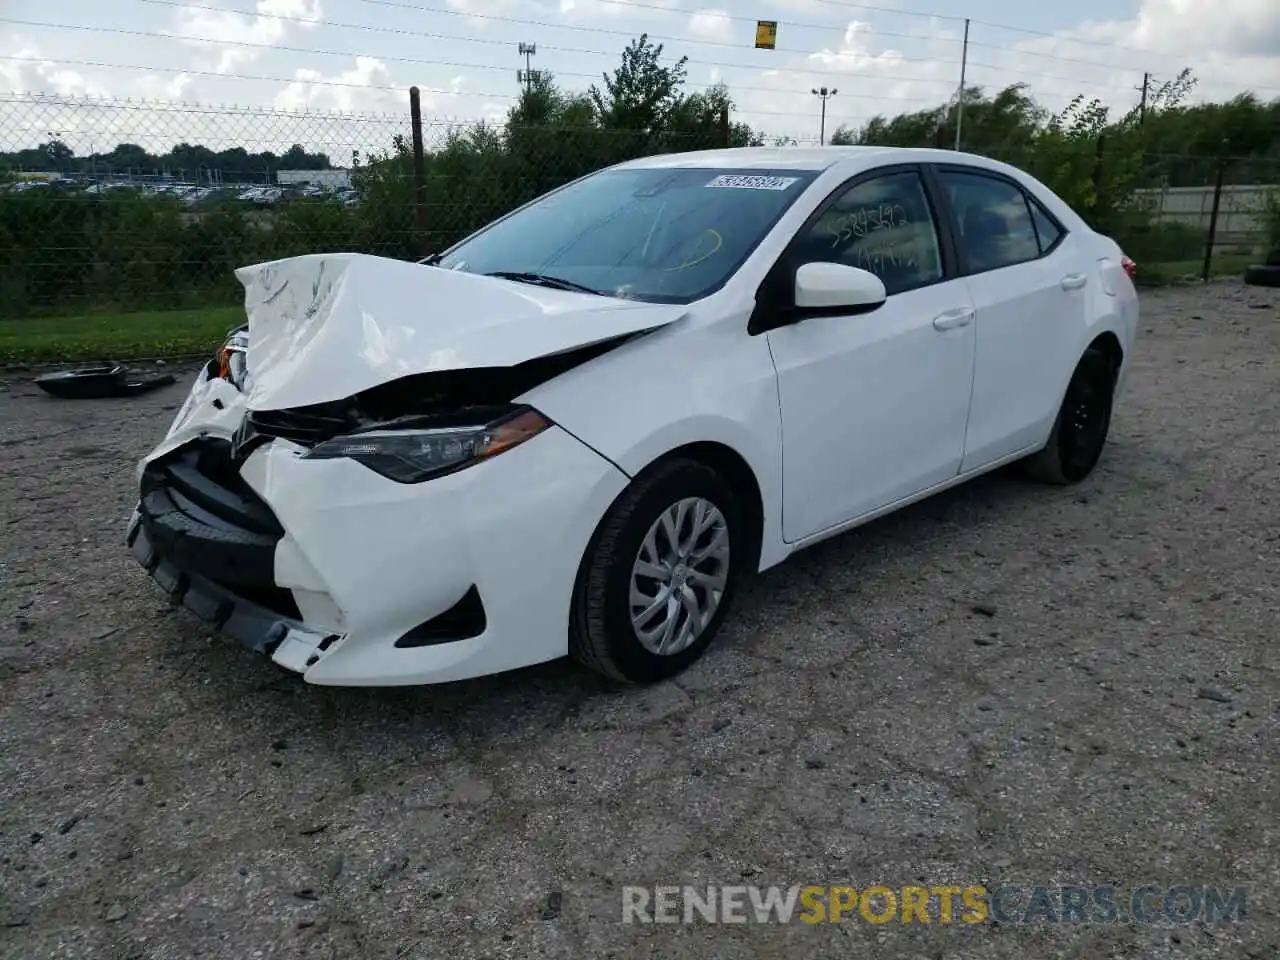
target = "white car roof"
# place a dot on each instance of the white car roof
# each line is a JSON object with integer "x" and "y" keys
{"x": 806, "y": 158}
{"x": 851, "y": 161}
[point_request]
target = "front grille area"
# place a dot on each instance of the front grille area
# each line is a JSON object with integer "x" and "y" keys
{"x": 201, "y": 516}
{"x": 204, "y": 482}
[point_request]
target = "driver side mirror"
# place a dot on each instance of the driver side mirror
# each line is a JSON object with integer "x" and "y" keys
{"x": 836, "y": 289}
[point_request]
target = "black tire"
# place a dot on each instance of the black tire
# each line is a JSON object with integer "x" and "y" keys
{"x": 1084, "y": 420}
{"x": 600, "y": 631}
{"x": 1260, "y": 275}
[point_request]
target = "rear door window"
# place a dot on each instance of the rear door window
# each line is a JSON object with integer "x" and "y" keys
{"x": 996, "y": 226}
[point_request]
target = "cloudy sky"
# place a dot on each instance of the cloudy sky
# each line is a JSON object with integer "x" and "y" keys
{"x": 362, "y": 55}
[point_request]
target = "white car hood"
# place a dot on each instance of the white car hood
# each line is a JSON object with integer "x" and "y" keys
{"x": 327, "y": 326}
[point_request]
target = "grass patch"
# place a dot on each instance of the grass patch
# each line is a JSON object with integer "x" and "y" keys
{"x": 1222, "y": 265}
{"x": 116, "y": 336}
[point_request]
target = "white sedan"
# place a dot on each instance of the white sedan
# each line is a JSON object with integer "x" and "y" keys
{"x": 578, "y": 430}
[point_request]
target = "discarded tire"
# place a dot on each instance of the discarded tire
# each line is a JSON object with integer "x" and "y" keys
{"x": 98, "y": 383}
{"x": 1262, "y": 275}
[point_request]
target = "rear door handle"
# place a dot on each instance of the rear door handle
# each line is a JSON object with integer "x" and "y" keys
{"x": 1074, "y": 281}
{"x": 960, "y": 317}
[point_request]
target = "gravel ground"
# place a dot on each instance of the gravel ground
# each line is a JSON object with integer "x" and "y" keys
{"x": 1009, "y": 684}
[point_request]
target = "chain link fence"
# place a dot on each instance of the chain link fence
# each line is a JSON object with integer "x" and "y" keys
{"x": 131, "y": 206}
{"x": 1202, "y": 217}
{"x": 151, "y": 206}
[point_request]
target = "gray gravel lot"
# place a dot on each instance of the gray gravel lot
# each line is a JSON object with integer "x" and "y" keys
{"x": 1110, "y": 713}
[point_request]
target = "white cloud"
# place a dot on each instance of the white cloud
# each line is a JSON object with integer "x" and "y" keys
{"x": 882, "y": 63}
{"x": 480, "y": 9}
{"x": 366, "y": 87}
{"x": 711, "y": 25}
{"x": 239, "y": 38}
{"x": 854, "y": 52}
{"x": 26, "y": 71}
{"x": 1230, "y": 46}
{"x": 153, "y": 86}
{"x": 617, "y": 9}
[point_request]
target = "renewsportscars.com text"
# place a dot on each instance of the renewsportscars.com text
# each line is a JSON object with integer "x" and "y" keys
{"x": 943, "y": 904}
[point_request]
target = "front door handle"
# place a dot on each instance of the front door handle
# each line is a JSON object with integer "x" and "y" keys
{"x": 1074, "y": 281}
{"x": 960, "y": 317}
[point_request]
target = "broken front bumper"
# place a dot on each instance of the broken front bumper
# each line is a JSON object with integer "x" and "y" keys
{"x": 210, "y": 542}
{"x": 355, "y": 580}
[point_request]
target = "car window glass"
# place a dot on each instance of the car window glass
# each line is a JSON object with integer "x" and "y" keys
{"x": 1047, "y": 231}
{"x": 659, "y": 234}
{"x": 884, "y": 225}
{"x": 995, "y": 224}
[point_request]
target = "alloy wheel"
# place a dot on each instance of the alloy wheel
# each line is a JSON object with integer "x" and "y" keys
{"x": 679, "y": 576}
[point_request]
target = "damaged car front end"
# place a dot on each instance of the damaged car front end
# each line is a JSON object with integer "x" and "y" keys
{"x": 366, "y": 498}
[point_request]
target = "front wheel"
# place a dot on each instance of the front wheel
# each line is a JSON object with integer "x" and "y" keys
{"x": 1080, "y": 432}
{"x": 659, "y": 574}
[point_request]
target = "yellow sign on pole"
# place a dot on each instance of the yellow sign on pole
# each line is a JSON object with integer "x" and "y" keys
{"x": 766, "y": 34}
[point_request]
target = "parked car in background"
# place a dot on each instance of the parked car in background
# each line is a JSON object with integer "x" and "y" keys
{"x": 577, "y": 430}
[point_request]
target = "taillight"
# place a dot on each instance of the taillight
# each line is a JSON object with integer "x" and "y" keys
{"x": 1130, "y": 268}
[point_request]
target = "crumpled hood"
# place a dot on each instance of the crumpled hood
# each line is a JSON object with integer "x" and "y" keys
{"x": 327, "y": 326}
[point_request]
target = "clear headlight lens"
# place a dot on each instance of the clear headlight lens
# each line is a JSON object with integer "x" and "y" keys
{"x": 411, "y": 456}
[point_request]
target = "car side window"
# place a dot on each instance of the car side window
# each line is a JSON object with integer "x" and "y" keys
{"x": 996, "y": 229}
{"x": 1047, "y": 231}
{"x": 884, "y": 225}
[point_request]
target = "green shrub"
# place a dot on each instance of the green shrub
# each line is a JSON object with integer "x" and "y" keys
{"x": 1152, "y": 242}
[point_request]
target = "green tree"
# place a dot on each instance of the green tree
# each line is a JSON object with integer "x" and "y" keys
{"x": 642, "y": 93}
{"x": 696, "y": 121}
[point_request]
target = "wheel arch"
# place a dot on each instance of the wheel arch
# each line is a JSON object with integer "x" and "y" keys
{"x": 737, "y": 472}
{"x": 1109, "y": 344}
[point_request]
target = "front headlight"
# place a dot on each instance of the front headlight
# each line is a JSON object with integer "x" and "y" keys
{"x": 231, "y": 358}
{"x": 414, "y": 455}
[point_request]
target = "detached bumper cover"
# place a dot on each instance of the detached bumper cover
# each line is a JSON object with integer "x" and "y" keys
{"x": 261, "y": 630}
{"x": 209, "y": 541}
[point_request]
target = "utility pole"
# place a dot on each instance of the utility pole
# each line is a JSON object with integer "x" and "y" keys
{"x": 964, "y": 63}
{"x": 824, "y": 95}
{"x": 1142, "y": 106}
{"x": 527, "y": 50}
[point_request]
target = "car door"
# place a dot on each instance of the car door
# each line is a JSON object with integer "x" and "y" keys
{"x": 874, "y": 404}
{"x": 1027, "y": 276}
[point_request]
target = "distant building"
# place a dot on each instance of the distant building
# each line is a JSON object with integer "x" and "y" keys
{"x": 331, "y": 179}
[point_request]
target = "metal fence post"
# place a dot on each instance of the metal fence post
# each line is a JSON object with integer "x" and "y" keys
{"x": 419, "y": 173}
{"x": 1213, "y": 219}
{"x": 724, "y": 125}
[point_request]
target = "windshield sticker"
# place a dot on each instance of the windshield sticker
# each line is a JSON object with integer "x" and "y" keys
{"x": 746, "y": 182}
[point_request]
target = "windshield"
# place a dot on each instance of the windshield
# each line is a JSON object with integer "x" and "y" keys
{"x": 664, "y": 235}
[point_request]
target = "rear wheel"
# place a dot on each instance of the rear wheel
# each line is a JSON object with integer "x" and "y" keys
{"x": 1080, "y": 432}
{"x": 659, "y": 574}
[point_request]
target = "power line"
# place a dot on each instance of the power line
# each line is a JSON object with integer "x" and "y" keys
{"x": 1106, "y": 44}
{"x": 455, "y": 64}
{"x": 515, "y": 21}
{"x": 313, "y": 51}
{"x": 435, "y": 91}
{"x": 638, "y": 4}
{"x": 150, "y": 110}
{"x": 520, "y": 21}
{"x": 700, "y": 41}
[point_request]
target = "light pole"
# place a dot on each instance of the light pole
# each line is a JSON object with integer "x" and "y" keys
{"x": 824, "y": 95}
